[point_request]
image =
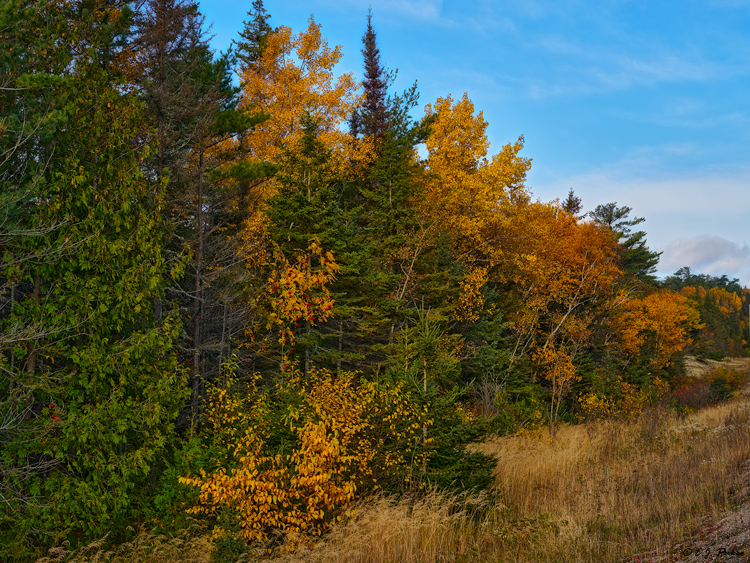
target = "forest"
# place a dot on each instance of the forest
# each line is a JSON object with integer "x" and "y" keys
{"x": 243, "y": 290}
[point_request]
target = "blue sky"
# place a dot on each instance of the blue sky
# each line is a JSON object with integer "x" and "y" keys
{"x": 642, "y": 103}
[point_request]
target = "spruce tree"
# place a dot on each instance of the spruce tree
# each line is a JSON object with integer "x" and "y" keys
{"x": 573, "y": 204}
{"x": 192, "y": 114}
{"x": 253, "y": 36}
{"x": 373, "y": 115}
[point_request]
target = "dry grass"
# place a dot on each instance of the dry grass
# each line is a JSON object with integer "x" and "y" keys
{"x": 145, "y": 548}
{"x": 435, "y": 528}
{"x": 617, "y": 488}
{"x": 596, "y": 492}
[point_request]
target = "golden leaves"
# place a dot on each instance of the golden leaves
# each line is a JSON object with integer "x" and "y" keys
{"x": 294, "y": 78}
{"x": 471, "y": 301}
{"x": 341, "y": 427}
{"x": 468, "y": 192}
{"x": 297, "y": 292}
{"x": 664, "y": 316}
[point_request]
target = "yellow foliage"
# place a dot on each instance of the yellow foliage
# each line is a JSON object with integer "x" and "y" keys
{"x": 294, "y": 78}
{"x": 728, "y": 302}
{"x": 560, "y": 270}
{"x": 297, "y": 292}
{"x": 467, "y": 191}
{"x": 471, "y": 301}
{"x": 346, "y": 433}
{"x": 557, "y": 368}
{"x": 594, "y": 406}
{"x": 290, "y": 285}
{"x": 629, "y": 400}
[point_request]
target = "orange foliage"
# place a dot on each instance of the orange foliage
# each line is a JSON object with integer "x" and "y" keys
{"x": 297, "y": 292}
{"x": 341, "y": 427}
{"x": 666, "y": 315}
{"x": 560, "y": 270}
{"x": 471, "y": 300}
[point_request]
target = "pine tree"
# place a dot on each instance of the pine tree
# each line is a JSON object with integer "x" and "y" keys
{"x": 637, "y": 259}
{"x": 253, "y": 36}
{"x": 398, "y": 240}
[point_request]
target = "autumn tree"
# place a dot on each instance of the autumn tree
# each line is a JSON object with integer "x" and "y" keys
{"x": 468, "y": 192}
{"x": 293, "y": 78}
{"x": 657, "y": 327}
{"x": 559, "y": 274}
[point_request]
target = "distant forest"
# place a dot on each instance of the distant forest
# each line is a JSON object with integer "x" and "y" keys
{"x": 244, "y": 289}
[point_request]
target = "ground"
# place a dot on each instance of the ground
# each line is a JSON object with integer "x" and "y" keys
{"x": 728, "y": 539}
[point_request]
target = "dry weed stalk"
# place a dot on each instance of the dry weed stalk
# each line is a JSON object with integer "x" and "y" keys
{"x": 145, "y": 548}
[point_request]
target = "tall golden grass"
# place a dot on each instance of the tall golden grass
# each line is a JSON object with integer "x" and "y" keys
{"x": 614, "y": 490}
{"x": 618, "y": 488}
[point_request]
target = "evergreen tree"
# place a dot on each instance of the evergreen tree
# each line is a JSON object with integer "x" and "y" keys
{"x": 637, "y": 259}
{"x": 399, "y": 244}
{"x": 312, "y": 206}
{"x": 94, "y": 388}
{"x": 253, "y": 36}
{"x": 372, "y": 118}
{"x": 192, "y": 113}
{"x": 573, "y": 204}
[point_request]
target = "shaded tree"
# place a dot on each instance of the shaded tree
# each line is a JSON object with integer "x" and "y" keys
{"x": 573, "y": 204}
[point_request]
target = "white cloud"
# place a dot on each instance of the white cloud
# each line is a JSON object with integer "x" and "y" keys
{"x": 639, "y": 182}
{"x": 708, "y": 254}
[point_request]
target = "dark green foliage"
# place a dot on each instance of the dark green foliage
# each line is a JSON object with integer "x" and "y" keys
{"x": 685, "y": 278}
{"x": 253, "y": 36}
{"x": 636, "y": 258}
{"x": 425, "y": 356}
{"x": 91, "y": 382}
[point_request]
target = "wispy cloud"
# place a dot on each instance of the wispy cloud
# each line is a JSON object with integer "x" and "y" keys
{"x": 425, "y": 10}
{"x": 588, "y": 71}
{"x": 676, "y": 207}
{"x": 708, "y": 254}
{"x": 416, "y": 9}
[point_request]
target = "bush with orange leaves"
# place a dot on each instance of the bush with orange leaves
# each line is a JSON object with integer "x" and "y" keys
{"x": 297, "y": 456}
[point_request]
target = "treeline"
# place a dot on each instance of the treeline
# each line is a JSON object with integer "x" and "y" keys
{"x": 259, "y": 302}
{"x": 723, "y": 306}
